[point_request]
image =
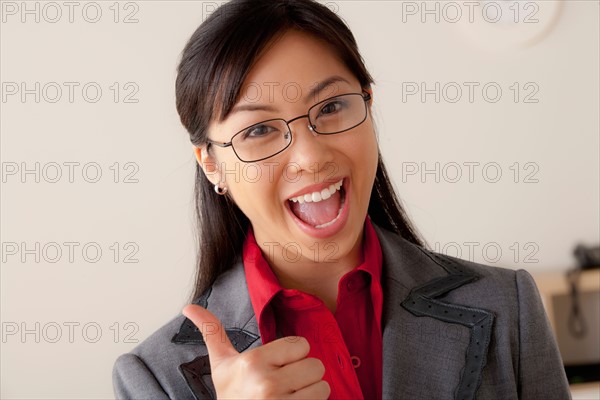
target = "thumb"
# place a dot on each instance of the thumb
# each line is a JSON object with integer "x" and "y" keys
{"x": 218, "y": 344}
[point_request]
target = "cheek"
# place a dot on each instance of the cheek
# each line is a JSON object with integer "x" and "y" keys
{"x": 364, "y": 155}
{"x": 371, "y": 148}
{"x": 364, "y": 152}
{"x": 254, "y": 188}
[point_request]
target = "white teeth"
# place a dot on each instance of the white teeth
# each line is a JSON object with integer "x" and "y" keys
{"x": 318, "y": 196}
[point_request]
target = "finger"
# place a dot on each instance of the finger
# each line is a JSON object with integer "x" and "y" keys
{"x": 285, "y": 350}
{"x": 319, "y": 390}
{"x": 218, "y": 344}
{"x": 301, "y": 374}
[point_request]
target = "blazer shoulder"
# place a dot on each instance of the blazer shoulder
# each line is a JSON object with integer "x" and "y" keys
{"x": 483, "y": 270}
{"x": 159, "y": 341}
{"x": 489, "y": 275}
{"x": 414, "y": 267}
{"x": 132, "y": 379}
{"x": 509, "y": 294}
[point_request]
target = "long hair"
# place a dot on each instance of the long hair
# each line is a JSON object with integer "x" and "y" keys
{"x": 213, "y": 67}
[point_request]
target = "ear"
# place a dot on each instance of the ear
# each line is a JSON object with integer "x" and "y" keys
{"x": 208, "y": 163}
{"x": 370, "y": 91}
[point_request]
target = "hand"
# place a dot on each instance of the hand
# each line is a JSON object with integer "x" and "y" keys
{"x": 279, "y": 369}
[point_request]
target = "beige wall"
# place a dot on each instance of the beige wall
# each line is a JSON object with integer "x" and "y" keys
{"x": 78, "y": 313}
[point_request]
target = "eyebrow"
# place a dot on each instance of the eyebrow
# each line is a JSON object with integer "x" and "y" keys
{"x": 251, "y": 107}
{"x": 318, "y": 87}
{"x": 324, "y": 84}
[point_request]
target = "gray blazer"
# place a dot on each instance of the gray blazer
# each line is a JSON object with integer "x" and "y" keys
{"x": 452, "y": 329}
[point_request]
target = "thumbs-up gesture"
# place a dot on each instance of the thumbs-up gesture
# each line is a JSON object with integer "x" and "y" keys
{"x": 279, "y": 369}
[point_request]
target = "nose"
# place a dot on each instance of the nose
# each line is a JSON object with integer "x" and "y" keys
{"x": 309, "y": 153}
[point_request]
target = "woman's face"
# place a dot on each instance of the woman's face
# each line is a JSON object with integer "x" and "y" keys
{"x": 279, "y": 86}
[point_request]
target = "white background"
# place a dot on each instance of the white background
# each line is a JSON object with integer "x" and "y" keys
{"x": 75, "y": 312}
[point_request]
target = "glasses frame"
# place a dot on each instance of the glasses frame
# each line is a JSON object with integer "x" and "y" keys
{"x": 365, "y": 96}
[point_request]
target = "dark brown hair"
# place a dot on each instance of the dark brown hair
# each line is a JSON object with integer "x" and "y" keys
{"x": 213, "y": 67}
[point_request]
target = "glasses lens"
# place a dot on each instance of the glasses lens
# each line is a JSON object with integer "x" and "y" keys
{"x": 338, "y": 114}
{"x": 261, "y": 140}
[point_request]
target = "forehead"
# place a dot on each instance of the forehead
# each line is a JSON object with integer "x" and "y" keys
{"x": 292, "y": 66}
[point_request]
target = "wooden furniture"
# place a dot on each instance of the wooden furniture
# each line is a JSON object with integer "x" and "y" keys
{"x": 553, "y": 284}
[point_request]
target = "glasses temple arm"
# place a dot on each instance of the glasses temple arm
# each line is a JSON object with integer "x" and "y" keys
{"x": 220, "y": 144}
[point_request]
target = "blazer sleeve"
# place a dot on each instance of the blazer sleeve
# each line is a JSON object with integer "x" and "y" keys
{"x": 133, "y": 380}
{"x": 541, "y": 370}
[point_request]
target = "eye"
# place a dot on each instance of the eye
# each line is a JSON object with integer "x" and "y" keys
{"x": 258, "y": 131}
{"x": 332, "y": 107}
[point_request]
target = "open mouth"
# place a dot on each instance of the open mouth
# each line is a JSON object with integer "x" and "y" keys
{"x": 320, "y": 209}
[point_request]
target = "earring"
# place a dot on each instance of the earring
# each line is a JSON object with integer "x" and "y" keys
{"x": 220, "y": 190}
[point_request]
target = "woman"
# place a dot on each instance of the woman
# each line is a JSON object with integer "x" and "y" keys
{"x": 312, "y": 283}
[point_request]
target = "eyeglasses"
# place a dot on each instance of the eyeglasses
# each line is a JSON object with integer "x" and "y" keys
{"x": 268, "y": 138}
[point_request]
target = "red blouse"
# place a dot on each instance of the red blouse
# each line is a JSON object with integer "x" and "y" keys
{"x": 349, "y": 342}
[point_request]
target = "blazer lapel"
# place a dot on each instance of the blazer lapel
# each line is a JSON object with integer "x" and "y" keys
{"x": 432, "y": 349}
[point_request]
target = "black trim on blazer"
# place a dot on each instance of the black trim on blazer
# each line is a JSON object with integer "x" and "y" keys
{"x": 422, "y": 302}
{"x": 188, "y": 332}
{"x": 195, "y": 370}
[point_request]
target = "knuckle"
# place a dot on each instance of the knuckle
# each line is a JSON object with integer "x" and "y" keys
{"x": 266, "y": 388}
{"x": 248, "y": 360}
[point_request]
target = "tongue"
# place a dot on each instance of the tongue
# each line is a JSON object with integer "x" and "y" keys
{"x": 318, "y": 213}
